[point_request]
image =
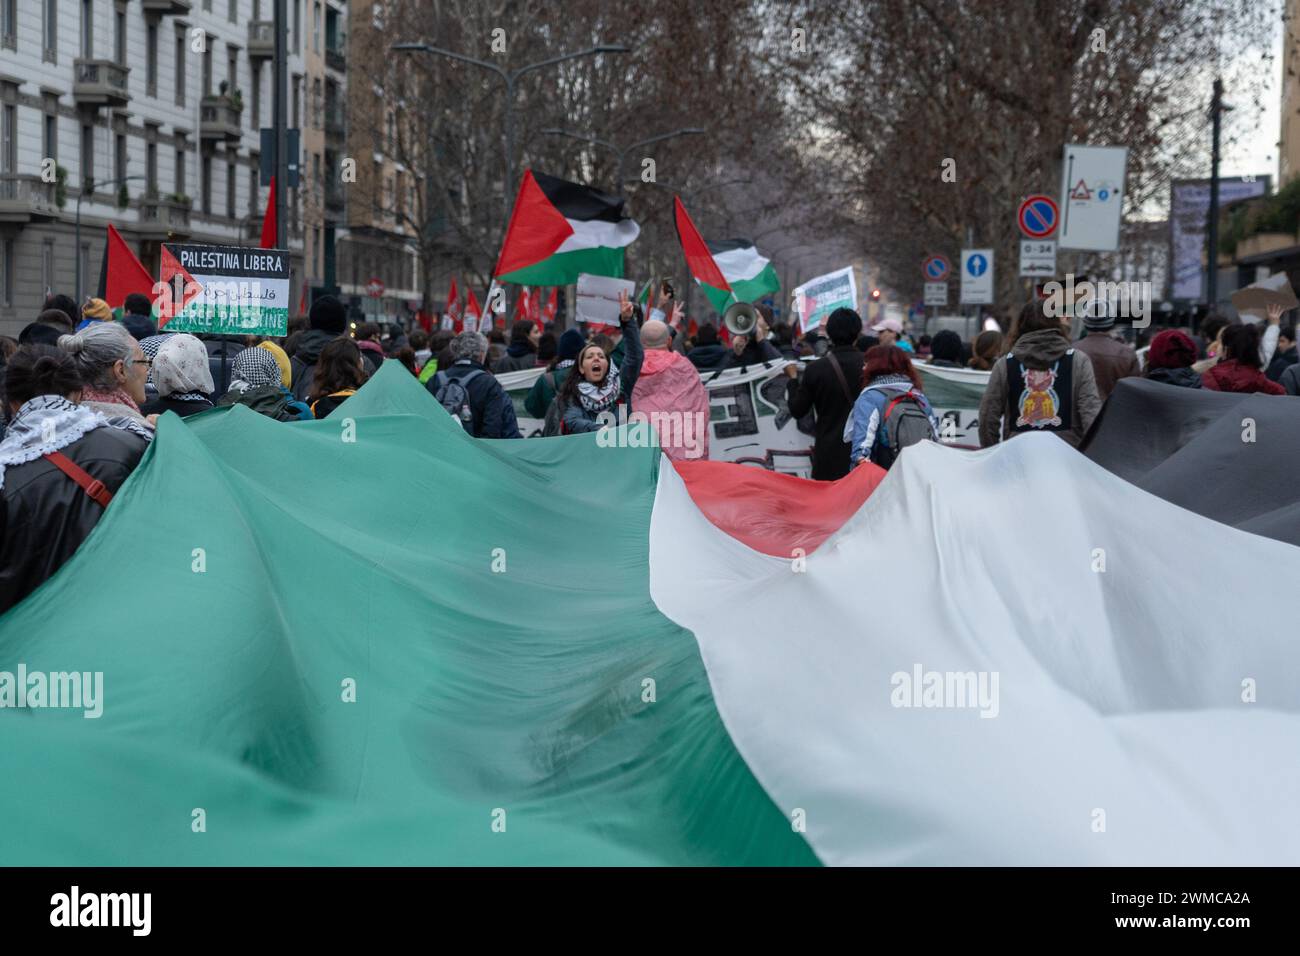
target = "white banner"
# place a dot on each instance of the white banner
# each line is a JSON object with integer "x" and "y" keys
{"x": 818, "y": 298}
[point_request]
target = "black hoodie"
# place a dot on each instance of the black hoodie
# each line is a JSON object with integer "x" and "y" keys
{"x": 305, "y": 358}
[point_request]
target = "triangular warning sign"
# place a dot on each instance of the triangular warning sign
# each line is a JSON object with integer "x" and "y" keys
{"x": 180, "y": 291}
{"x": 1081, "y": 191}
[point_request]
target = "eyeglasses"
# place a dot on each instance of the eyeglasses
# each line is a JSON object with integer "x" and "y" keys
{"x": 141, "y": 362}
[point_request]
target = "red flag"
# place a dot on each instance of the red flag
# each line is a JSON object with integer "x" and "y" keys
{"x": 473, "y": 314}
{"x": 552, "y": 305}
{"x": 302, "y": 299}
{"x": 268, "y": 220}
{"x": 535, "y": 306}
{"x": 453, "y": 304}
{"x": 522, "y": 309}
{"x": 123, "y": 272}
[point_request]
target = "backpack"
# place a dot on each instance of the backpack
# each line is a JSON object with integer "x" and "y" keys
{"x": 905, "y": 422}
{"x": 268, "y": 400}
{"x": 453, "y": 395}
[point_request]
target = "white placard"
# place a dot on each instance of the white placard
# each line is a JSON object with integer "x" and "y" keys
{"x": 1038, "y": 258}
{"x": 1092, "y": 197}
{"x": 977, "y": 277}
{"x": 936, "y": 293}
{"x": 597, "y": 298}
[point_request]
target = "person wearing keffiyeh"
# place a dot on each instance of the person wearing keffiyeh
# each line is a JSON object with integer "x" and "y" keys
{"x": 183, "y": 377}
{"x": 44, "y": 513}
{"x": 258, "y": 382}
{"x": 112, "y": 367}
{"x": 588, "y": 396}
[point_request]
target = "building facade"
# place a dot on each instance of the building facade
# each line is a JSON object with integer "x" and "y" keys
{"x": 168, "y": 95}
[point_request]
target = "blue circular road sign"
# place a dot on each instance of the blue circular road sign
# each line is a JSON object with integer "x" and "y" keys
{"x": 977, "y": 265}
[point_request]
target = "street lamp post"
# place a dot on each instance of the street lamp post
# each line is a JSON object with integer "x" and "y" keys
{"x": 621, "y": 152}
{"x": 77, "y": 229}
{"x": 510, "y": 78}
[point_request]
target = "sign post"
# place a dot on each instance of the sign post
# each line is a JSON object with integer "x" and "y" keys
{"x": 1092, "y": 197}
{"x": 977, "y": 277}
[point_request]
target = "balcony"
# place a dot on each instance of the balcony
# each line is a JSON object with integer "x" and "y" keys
{"x": 336, "y": 54}
{"x": 164, "y": 7}
{"x": 219, "y": 118}
{"x": 25, "y": 197}
{"x": 165, "y": 217}
{"x": 261, "y": 39}
{"x": 335, "y": 118}
{"x": 100, "y": 83}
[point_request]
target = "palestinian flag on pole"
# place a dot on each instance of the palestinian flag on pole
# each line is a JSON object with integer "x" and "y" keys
{"x": 121, "y": 273}
{"x": 451, "y": 316}
{"x": 559, "y": 229}
{"x": 655, "y": 708}
{"x": 728, "y": 270}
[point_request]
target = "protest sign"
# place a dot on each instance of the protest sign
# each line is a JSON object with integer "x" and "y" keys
{"x": 224, "y": 290}
{"x": 818, "y": 298}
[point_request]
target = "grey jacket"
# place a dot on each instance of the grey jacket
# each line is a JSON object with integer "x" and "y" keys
{"x": 1039, "y": 350}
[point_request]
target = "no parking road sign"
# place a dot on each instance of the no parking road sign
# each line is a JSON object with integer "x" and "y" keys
{"x": 1038, "y": 216}
{"x": 936, "y": 268}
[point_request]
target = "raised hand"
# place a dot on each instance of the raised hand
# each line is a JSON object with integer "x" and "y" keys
{"x": 679, "y": 313}
{"x": 624, "y": 305}
{"x": 1274, "y": 313}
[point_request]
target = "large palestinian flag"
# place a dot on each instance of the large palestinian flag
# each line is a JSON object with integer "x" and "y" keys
{"x": 559, "y": 229}
{"x": 602, "y": 659}
{"x": 728, "y": 270}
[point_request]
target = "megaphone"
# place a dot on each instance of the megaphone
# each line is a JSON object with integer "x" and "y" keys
{"x": 741, "y": 318}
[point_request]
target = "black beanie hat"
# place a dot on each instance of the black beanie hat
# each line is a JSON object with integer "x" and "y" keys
{"x": 328, "y": 315}
{"x": 843, "y": 326}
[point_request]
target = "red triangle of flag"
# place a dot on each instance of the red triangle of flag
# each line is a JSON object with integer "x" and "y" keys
{"x": 125, "y": 273}
{"x": 536, "y": 229}
{"x": 698, "y": 258}
{"x": 175, "y": 276}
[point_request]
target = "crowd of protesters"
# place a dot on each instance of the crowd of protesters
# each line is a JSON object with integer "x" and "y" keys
{"x": 83, "y": 391}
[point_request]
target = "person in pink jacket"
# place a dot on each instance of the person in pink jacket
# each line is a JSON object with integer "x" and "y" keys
{"x": 670, "y": 395}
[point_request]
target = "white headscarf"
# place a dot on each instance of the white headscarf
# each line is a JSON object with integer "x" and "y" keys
{"x": 180, "y": 369}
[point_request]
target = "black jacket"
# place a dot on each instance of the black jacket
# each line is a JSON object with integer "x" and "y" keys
{"x": 754, "y": 353}
{"x": 1281, "y": 362}
{"x": 231, "y": 346}
{"x": 45, "y": 515}
{"x": 1183, "y": 377}
{"x": 517, "y": 358}
{"x": 169, "y": 404}
{"x": 820, "y": 390}
{"x": 305, "y": 357}
{"x": 708, "y": 357}
{"x": 493, "y": 411}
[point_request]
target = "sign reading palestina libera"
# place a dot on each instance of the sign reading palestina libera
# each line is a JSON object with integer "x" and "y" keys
{"x": 224, "y": 290}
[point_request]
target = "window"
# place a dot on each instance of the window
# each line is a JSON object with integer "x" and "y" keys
{"x": 179, "y": 60}
{"x": 255, "y": 98}
{"x": 151, "y": 60}
{"x": 297, "y": 26}
{"x": 232, "y": 67}
{"x": 207, "y": 5}
{"x": 50, "y": 136}
{"x": 151, "y": 168}
{"x": 9, "y": 23}
{"x": 297, "y": 98}
{"x": 88, "y": 29}
{"x": 180, "y": 172}
{"x": 119, "y": 37}
{"x": 9, "y": 138}
{"x": 87, "y": 157}
{"x": 205, "y": 185}
{"x": 316, "y": 260}
{"x": 119, "y": 157}
{"x": 399, "y": 195}
{"x": 232, "y": 10}
{"x": 230, "y": 190}
{"x": 315, "y": 27}
{"x": 252, "y": 191}
{"x": 50, "y": 31}
{"x": 207, "y": 69}
{"x": 315, "y": 169}
{"x": 317, "y": 108}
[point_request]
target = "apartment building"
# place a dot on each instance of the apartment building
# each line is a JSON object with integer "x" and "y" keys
{"x": 375, "y": 242}
{"x": 145, "y": 114}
